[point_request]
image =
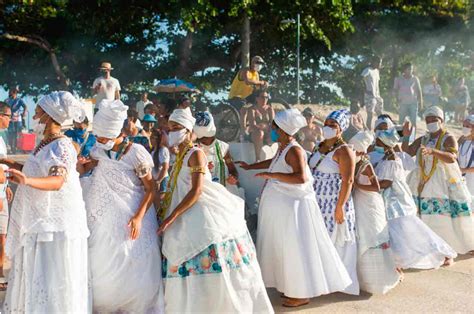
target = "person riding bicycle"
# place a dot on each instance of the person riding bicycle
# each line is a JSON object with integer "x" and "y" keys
{"x": 243, "y": 86}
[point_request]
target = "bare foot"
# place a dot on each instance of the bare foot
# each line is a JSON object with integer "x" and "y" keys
{"x": 293, "y": 302}
{"x": 448, "y": 261}
{"x": 402, "y": 275}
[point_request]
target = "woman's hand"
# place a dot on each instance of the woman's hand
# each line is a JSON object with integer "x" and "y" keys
{"x": 9, "y": 193}
{"x": 426, "y": 150}
{"x": 232, "y": 180}
{"x": 339, "y": 215}
{"x": 17, "y": 177}
{"x": 264, "y": 175}
{"x": 210, "y": 165}
{"x": 164, "y": 225}
{"x": 135, "y": 225}
{"x": 407, "y": 128}
{"x": 243, "y": 165}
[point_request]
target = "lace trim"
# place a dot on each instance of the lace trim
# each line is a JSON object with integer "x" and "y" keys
{"x": 143, "y": 169}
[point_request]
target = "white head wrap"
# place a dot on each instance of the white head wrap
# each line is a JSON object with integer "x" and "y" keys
{"x": 361, "y": 141}
{"x": 183, "y": 117}
{"x": 290, "y": 121}
{"x": 386, "y": 120}
{"x": 62, "y": 106}
{"x": 470, "y": 119}
{"x": 434, "y": 112}
{"x": 204, "y": 126}
{"x": 108, "y": 121}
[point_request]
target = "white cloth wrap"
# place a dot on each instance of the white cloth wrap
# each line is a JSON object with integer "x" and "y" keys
{"x": 434, "y": 111}
{"x": 62, "y": 106}
{"x": 183, "y": 117}
{"x": 361, "y": 141}
{"x": 206, "y": 131}
{"x": 108, "y": 121}
{"x": 290, "y": 121}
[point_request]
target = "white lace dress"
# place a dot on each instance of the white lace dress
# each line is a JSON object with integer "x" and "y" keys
{"x": 413, "y": 243}
{"x": 47, "y": 240}
{"x": 209, "y": 259}
{"x": 294, "y": 249}
{"x": 126, "y": 274}
{"x": 375, "y": 265}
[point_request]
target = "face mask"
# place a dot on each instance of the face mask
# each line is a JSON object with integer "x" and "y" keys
{"x": 379, "y": 149}
{"x": 358, "y": 158}
{"x": 176, "y": 137}
{"x": 329, "y": 133}
{"x": 433, "y": 127}
{"x": 466, "y": 131}
{"x": 274, "y": 135}
{"x": 377, "y": 133}
{"x": 258, "y": 67}
{"x": 39, "y": 127}
{"x": 107, "y": 146}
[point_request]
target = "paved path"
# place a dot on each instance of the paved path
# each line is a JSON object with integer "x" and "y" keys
{"x": 446, "y": 290}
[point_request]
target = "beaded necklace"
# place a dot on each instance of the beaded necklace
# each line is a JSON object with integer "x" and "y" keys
{"x": 426, "y": 177}
{"x": 51, "y": 138}
{"x": 121, "y": 150}
{"x": 338, "y": 142}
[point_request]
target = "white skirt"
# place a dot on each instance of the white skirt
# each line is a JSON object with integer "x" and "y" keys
{"x": 49, "y": 276}
{"x": 415, "y": 245}
{"x": 294, "y": 250}
{"x": 377, "y": 271}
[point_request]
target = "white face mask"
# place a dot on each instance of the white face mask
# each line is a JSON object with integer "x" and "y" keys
{"x": 466, "y": 131}
{"x": 329, "y": 133}
{"x": 107, "y": 146}
{"x": 258, "y": 67}
{"x": 176, "y": 137}
{"x": 433, "y": 127}
{"x": 39, "y": 127}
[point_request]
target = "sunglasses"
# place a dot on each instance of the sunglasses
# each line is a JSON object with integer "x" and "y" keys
{"x": 3, "y": 114}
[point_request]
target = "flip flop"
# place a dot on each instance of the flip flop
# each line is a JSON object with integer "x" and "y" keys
{"x": 289, "y": 302}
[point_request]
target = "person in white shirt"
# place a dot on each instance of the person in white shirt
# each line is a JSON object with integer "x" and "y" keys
{"x": 144, "y": 101}
{"x": 372, "y": 100}
{"x": 106, "y": 86}
{"x": 432, "y": 92}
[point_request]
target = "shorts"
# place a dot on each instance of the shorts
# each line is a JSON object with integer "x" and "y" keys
{"x": 163, "y": 188}
{"x": 373, "y": 104}
{"x": 4, "y": 218}
{"x": 237, "y": 102}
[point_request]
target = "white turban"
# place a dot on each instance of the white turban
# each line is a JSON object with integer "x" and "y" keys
{"x": 204, "y": 126}
{"x": 183, "y": 117}
{"x": 290, "y": 121}
{"x": 108, "y": 121}
{"x": 62, "y": 106}
{"x": 386, "y": 120}
{"x": 434, "y": 112}
{"x": 361, "y": 141}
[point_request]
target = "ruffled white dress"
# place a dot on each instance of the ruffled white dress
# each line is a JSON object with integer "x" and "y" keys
{"x": 294, "y": 249}
{"x": 209, "y": 260}
{"x": 466, "y": 160}
{"x": 375, "y": 266}
{"x": 413, "y": 243}
{"x": 47, "y": 240}
{"x": 445, "y": 202}
{"x": 126, "y": 274}
{"x": 327, "y": 184}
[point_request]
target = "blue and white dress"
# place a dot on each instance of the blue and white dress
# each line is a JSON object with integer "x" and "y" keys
{"x": 413, "y": 243}
{"x": 327, "y": 185}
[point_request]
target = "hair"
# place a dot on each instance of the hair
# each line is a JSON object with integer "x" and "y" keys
{"x": 169, "y": 105}
{"x": 151, "y": 107}
{"x": 3, "y": 105}
{"x": 132, "y": 114}
{"x": 307, "y": 112}
{"x": 375, "y": 60}
{"x": 385, "y": 116}
{"x": 407, "y": 65}
{"x": 156, "y": 153}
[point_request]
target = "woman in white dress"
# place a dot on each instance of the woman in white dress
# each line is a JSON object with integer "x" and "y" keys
{"x": 441, "y": 194}
{"x": 125, "y": 260}
{"x": 209, "y": 260}
{"x": 413, "y": 243}
{"x": 47, "y": 236}
{"x": 333, "y": 166}
{"x": 293, "y": 246}
{"x": 466, "y": 153}
{"x": 375, "y": 264}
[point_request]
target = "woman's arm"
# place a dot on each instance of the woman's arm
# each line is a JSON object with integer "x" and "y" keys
{"x": 251, "y": 118}
{"x": 135, "y": 222}
{"x": 11, "y": 164}
{"x": 163, "y": 172}
{"x": 49, "y": 183}
{"x": 344, "y": 156}
{"x": 230, "y": 165}
{"x": 385, "y": 184}
{"x": 197, "y": 162}
{"x": 295, "y": 159}
{"x": 374, "y": 185}
{"x": 448, "y": 155}
{"x": 257, "y": 166}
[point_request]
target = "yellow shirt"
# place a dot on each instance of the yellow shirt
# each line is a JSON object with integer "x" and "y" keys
{"x": 239, "y": 88}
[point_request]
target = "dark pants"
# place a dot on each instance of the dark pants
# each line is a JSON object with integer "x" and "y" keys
{"x": 13, "y": 130}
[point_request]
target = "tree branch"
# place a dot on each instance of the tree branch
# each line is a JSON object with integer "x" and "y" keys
{"x": 43, "y": 44}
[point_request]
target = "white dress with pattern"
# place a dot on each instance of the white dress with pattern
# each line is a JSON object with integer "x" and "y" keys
{"x": 47, "y": 240}
{"x": 327, "y": 184}
{"x": 126, "y": 274}
{"x": 294, "y": 249}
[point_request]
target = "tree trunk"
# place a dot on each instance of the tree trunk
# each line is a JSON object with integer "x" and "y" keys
{"x": 64, "y": 82}
{"x": 185, "y": 54}
{"x": 245, "y": 53}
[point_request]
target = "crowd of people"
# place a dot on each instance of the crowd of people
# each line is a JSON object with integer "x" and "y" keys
{"x": 144, "y": 212}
